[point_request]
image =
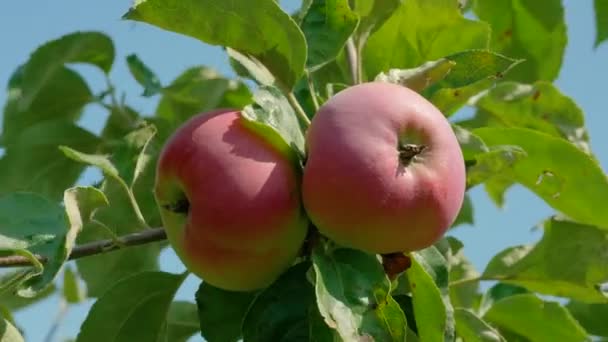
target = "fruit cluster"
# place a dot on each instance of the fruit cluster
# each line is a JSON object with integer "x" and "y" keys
{"x": 384, "y": 173}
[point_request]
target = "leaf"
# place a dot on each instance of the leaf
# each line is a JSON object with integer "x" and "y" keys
{"x": 353, "y": 296}
{"x": 327, "y": 25}
{"x": 10, "y": 280}
{"x": 591, "y": 316}
{"x": 121, "y": 121}
{"x": 535, "y": 319}
{"x": 281, "y": 311}
{"x": 8, "y": 332}
{"x": 259, "y": 29}
{"x": 473, "y": 329}
{"x": 72, "y": 292}
{"x": 141, "y": 300}
{"x": 221, "y": 312}
{"x": 250, "y": 68}
{"x": 182, "y": 321}
{"x": 470, "y": 144}
{"x": 465, "y": 215}
{"x": 32, "y": 224}
{"x": 601, "y": 21}
{"x": 573, "y": 184}
{"x": 464, "y": 294}
{"x": 418, "y": 78}
{"x": 419, "y": 31}
{"x": 101, "y": 271}
{"x": 540, "y": 106}
{"x": 373, "y": 14}
{"x": 428, "y": 280}
{"x": 548, "y": 267}
{"x": 496, "y": 293}
{"x": 44, "y": 104}
{"x": 89, "y": 47}
{"x": 32, "y": 162}
{"x": 199, "y": 89}
{"x": 529, "y": 30}
{"x": 273, "y": 118}
{"x": 143, "y": 75}
{"x": 497, "y": 161}
{"x": 100, "y": 161}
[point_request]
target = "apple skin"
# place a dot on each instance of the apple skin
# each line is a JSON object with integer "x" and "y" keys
{"x": 356, "y": 188}
{"x": 230, "y": 202}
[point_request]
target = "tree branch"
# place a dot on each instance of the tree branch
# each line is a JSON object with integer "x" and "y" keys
{"x": 93, "y": 248}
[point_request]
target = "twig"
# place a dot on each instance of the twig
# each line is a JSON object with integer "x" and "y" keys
{"x": 63, "y": 310}
{"x": 92, "y": 248}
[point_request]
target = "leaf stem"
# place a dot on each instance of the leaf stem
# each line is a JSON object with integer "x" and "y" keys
{"x": 351, "y": 55}
{"x": 134, "y": 205}
{"x": 466, "y": 281}
{"x": 298, "y": 108}
{"x": 92, "y": 248}
{"x": 313, "y": 91}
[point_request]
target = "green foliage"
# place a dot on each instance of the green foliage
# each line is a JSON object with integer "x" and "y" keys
{"x": 143, "y": 298}
{"x": 221, "y": 312}
{"x": 353, "y": 295}
{"x": 283, "y": 52}
{"x": 524, "y": 130}
{"x": 530, "y": 30}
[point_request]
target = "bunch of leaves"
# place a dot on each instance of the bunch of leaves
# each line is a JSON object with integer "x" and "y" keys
{"x": 524, "y": 131}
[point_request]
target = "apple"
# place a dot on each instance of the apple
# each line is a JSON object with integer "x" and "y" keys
{"x": 230, "y": 202}
{"x": 384, "y": 173}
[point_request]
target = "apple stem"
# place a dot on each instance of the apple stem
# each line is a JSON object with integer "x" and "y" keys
{"x": 408, "y": 151}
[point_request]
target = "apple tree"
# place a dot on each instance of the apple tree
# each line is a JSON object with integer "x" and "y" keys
{"x": 313, "y": 195}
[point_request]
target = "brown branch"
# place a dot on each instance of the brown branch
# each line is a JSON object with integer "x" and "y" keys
{"x": 93, "y": 248}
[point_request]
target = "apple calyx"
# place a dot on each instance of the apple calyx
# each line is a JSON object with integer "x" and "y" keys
{"x": 407, "y": 152}
{"x": 180, "y": 206}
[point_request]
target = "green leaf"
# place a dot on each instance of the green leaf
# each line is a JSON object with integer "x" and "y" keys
{"x": 548, "y": 268}
{"x": 530, "y": 30}
{"x": 280, "y": 312}
{"x": 93, "y": 48}
{"x": 419, "y": 31}
{"x": 134, "y": 160}
{"x": 573, "y": 184}
{"x": 121, "y": 121}
{"x": 418, "y": 78}
{"x": 473, "y": 329}
{"x": 32, "y": 162}
{"x": 72, "y": 292}
{"x": 498, "y": 160}
{"x": 273, "y": 118}
{"x": 373, "y": 14}
{"x": 535, "y": 319}
{"x": 463, "y": 294}
{"x": 326, "y": 26}
{"x": 134, "y": 309}
{"x": 197, "y": 90}
{"x": 32, "y": 224}
{"x": 465, "y": 215}
{"x": 8, "y": 332}
{"x": 221, "y": 312}
{"x": 540, "y": 106}
{"x": 182, "y": 321}
{"x": 250, "y": 68}
{"x": 470, "y": 144}
{"x": 44, "y": 104}
{"x": 591, "y": 316}
{"x": 259, "y": 29}
{"x": 10, "y": 280}
{"x": 496, "y": 293}
{"x": 143, "y": 75}
{"x": 428, "y": 280}
{"x": 100, "y": 161}
{"x": 601, "y": 21}
{"x": 353, "y": 295}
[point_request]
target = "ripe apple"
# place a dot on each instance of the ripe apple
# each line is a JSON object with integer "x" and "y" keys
{"x": 230, "y": 202}
{"x": 385, "y": 172}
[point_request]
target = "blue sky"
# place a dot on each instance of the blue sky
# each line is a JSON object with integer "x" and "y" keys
{"x": 26, "y": 24}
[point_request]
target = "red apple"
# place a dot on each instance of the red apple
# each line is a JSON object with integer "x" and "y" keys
{"x": 230, "y": 202}
{"x": 385, "y": 172}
